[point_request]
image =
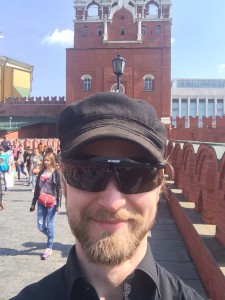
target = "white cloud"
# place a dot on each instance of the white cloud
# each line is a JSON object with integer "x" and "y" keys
{"x": 1, "y": 35}
{"x": 221, "y": 68}
{"x": 172, "y": 40}
{"x": 64, "y": 37}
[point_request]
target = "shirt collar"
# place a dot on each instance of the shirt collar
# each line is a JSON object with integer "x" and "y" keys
{"x": 148, "y": 266}
{"x": 73, "y": 271}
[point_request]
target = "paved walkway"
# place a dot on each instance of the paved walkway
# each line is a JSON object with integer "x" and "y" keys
{"x": 21, "y": 244}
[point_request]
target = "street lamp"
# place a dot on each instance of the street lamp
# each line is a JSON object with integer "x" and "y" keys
{"x": 118, "y": 64}
{"x": 10, "y": 122}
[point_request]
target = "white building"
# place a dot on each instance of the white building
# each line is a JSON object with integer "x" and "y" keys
{"x": 197, "y": 97}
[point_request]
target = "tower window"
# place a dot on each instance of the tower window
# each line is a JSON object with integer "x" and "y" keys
{"x": 99, "y": 30}
{"x": 158, "y": 30}
{"x": 85, "y": 31}
{"x": 152, "y": 10}
{"x": 87, "y": 82}
{"x": 148, "y": 82}
{"x": 93, "y": 10}
{"x": 143, "y": 30}
{"x": 122, "y": 31}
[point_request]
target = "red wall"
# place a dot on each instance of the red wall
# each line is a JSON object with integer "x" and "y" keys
{"x": 199, "y": 170}
{"x": 212, "y": 131}
{"x": 38, "y": 106}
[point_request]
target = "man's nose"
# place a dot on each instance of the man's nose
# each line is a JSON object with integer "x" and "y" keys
{"x": 112, "y": 199}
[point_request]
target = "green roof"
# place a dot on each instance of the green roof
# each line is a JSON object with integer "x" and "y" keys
{"x": 5, "y": 60}
{"x": 24, "y": 92}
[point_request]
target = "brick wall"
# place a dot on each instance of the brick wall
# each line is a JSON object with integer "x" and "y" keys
{"x": 200, "y": 173}
{"x": 38, "y": 106}
{"x": 212, "y": 130}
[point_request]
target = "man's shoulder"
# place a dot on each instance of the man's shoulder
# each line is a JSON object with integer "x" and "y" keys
{"x": 50, "y": 287}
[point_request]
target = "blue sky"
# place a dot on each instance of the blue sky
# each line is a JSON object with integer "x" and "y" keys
{"x": 37, "y": 32}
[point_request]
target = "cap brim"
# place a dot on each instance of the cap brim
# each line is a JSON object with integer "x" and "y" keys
{"x": 72, "y": 147}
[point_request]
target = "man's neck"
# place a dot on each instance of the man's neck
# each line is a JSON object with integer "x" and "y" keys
{"x": 108, "y": 280}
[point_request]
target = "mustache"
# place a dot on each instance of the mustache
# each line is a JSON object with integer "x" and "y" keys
{"x": 120, "y": 215}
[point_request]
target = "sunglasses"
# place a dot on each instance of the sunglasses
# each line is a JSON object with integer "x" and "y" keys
{"x": 132, "y": 176}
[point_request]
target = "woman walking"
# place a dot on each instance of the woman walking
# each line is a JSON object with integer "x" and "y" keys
{"x": 48, "y": 194}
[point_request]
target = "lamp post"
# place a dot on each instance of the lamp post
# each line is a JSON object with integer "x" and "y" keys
{"x": 10, "y": 122}
{"x": 118, "y": 64}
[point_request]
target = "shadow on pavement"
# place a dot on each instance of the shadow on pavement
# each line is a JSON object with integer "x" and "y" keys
{"x": 33, "y": 247}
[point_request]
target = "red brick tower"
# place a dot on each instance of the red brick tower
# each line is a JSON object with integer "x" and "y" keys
{"x": 140, "y": 32}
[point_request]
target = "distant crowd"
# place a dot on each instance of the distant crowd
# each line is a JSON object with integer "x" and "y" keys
{"x": 16, "y": 160}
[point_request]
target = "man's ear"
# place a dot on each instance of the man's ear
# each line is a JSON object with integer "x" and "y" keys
{"x": 62, "y": 182}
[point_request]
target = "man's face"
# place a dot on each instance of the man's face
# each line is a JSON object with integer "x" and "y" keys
{"x": 109, "y": 226}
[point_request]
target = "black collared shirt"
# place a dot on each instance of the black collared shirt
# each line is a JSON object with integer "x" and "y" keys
{"x": 148, "y": 282}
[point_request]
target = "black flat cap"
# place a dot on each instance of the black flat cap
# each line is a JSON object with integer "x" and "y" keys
{"x": 112, "y": 115}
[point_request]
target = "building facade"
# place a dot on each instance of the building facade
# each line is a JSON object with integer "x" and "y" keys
{"x": 140, "y": 31}
{"x": 15, "y": 78}
{"x": 197, "y": 97}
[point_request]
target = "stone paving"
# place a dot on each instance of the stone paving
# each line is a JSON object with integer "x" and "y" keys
{"x": 21, "y": 244}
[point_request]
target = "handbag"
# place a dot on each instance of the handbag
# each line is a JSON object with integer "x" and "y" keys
{"x": 46, "y": 200}
{"x": 35, "y": 171}
{"x": 9, "y": 178}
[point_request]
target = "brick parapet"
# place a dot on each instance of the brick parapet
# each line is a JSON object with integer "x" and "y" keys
{"x": 32, "y": 107}
{"x": 33, "y": 100}
{"x": 205, "y": 261}
{"x": 212, "y": 129}
{"x": 201, "y": 176}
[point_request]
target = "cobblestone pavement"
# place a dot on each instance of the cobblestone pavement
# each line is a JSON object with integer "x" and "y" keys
{"x": 21, "y": 244}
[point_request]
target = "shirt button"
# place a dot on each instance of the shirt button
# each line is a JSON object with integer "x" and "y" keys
{"x": 87, "y": 289}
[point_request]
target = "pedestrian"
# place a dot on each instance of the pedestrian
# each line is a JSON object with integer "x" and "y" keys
{"x": 15, "y": 150}
{"x": 41, "y": 147}
{"x": 27, "y": 162}
{"x": 49, "y": 149}
{"x": 47, "y": 187}
{"x": 2, "y": 202}
{"x": 5, "y": 167}
{"x": 36, "y": 162}
{"x": 112, "y": 160}
{"x": 5, "y": 143}
{"x": 20, "y": 162}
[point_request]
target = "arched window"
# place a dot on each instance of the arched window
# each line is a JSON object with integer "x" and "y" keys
{"x": 99, "y": 30}
{"x": 93, "y": 10}
{"x": 158, "y": 30}
{"x": 114, "y": 88}
{"x": 122, "y": 31}
{"x": 143, "y": 30}
{"x": 87, "y": 80}
{"x": 85, "y": 31}
{"x": 152, "y": 10}
{"x": 148, "y": 82}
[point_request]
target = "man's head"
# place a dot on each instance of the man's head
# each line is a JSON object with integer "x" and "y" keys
{"x": 112, "y": 153}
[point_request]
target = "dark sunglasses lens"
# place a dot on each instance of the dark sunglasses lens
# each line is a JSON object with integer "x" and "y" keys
{"x": 86, "y": 178}
{"x": 139, "y": 180}
{"x": 131, "y": 179}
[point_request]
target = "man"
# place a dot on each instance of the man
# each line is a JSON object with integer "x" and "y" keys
{"x": 5, "y": 143}
{"x": 112, "y": 160}
{"x": 41, "y": 147}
